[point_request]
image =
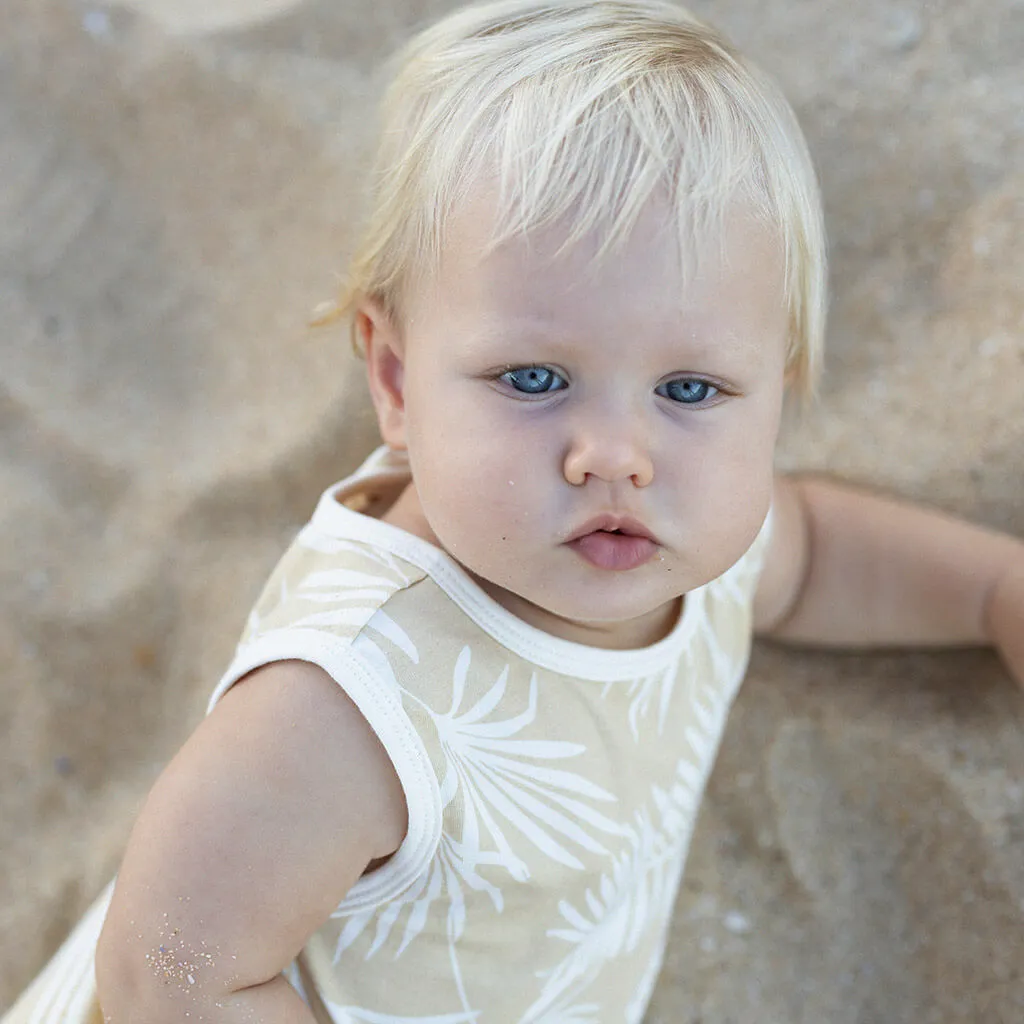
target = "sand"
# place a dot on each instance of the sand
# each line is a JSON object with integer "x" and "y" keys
{"x": 179, "y": 184}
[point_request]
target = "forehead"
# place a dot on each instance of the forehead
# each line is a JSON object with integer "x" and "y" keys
{"x": 729, "y": 282}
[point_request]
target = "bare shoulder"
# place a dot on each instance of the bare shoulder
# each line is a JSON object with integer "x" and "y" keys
{"x": 786, "y": 560}
{"x": 254, "y": 832}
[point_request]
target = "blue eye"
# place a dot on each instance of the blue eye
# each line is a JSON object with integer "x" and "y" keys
{"x": 533, "y": 380}
{"x": 690, "y": 390}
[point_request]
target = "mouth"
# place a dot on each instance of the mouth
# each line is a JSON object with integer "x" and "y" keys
{"x": 614, "y": 542}
{"x": 616, "y": 526}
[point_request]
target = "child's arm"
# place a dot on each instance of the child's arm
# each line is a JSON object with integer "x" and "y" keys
{"x": 248, "y": 841}
{"x": 849, "y": 568}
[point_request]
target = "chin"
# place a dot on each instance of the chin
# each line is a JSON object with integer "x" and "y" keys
{"x": 604, "y": 612}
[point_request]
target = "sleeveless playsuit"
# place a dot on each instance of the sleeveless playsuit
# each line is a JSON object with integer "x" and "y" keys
{"x": 552, "y": 787}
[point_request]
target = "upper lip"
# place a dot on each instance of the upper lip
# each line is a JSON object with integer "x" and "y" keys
{"x": 609, "y": 522}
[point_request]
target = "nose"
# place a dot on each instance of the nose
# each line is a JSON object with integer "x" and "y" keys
{"x": 608, "y": 451}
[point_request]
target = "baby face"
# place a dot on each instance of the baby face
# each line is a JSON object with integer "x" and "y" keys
{"x": 547, "y": 400}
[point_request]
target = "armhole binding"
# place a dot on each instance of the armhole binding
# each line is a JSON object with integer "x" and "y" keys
{"x": 381, "y": 706}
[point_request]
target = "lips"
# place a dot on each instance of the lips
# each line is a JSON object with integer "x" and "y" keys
{"x": 613, "y": 542}
{"x": 623, "y": 525}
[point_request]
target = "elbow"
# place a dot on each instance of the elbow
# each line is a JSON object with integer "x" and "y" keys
{"x": 120, "y": 985}
{"x": 136, "y": 984}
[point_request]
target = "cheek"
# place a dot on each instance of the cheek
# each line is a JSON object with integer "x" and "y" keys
{"x": 754, "y": 484}
{"x": 723, "y": 484}
{"x": 466, "y": 474}
{"x": 469, "y": 439}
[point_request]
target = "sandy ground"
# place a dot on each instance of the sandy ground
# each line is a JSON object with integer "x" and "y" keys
{"x": 178, "y": 187}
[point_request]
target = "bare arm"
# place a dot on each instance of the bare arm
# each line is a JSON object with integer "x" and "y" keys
{"x": 248, "y": 841}
{"x": 850, "y": 568}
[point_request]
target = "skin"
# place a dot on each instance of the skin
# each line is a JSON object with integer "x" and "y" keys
{"x": 283, "y": 796}
{"x": 504, "y": 476}
{"x": 845, "y": 567}
{"x": 252, "y": 835}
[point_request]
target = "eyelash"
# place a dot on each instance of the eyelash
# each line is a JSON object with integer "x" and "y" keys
{"x": 718, "y": 389}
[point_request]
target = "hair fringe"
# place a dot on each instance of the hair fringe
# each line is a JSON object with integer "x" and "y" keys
{"x": 582, "y": 111}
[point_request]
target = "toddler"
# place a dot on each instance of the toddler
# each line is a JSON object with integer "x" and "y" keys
{"x": 452, "y": 772}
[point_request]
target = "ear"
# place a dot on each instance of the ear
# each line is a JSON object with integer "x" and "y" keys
{"x": 384, "y": 347}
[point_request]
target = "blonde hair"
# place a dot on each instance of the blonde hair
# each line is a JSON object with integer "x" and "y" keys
{"x": 582, "y": 111}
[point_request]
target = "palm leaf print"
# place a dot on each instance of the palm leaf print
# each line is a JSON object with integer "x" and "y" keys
{"x": 502, "y": 785}
{"x": 635, "y": 896}
{"x": 637, "y": 1005}
{"x": 644, "y": 693}
{"x": 655, "y": 692}
{"x": 444, "y": 878}
{"x": 355, "y": 595}
{"x": 359, "y": 1015}
{"x": 565, "y": 1011}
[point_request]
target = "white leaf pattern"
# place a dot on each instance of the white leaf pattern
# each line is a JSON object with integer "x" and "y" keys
{"x": 359, "y": 1015}
{"x": 494, "y": 769}
{"x": 498, "y": 779}
{"x": 510, "y": 805}
{"x": 326, "y": 544}
{"x": 633, "y": 898}
{"x": 354, "y": 595}
{"x": 644, "y": 691}
{"x": 501, "y": 784}
{"x": 505, "y": 783}
{"x": 387, "y": 627}
{"x": 445, "y": 878}
{"x": 565, "y": 1011}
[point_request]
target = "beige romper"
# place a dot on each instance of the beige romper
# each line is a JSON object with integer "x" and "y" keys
{"x": 552, "y": 787}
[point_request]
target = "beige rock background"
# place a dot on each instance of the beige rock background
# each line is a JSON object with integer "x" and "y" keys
{"x": 179, "y": 183}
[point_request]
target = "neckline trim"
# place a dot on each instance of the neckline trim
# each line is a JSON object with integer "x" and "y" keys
{"x": 543, "y": 649}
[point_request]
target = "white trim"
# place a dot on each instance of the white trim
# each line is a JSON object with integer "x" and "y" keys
{"x": 382, "y": 708}
{"x": 66, "y": 988}
{"x": 544, "y": 650}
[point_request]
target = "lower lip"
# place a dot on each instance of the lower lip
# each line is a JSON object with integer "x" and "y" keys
{"x": 614, "y": 550}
